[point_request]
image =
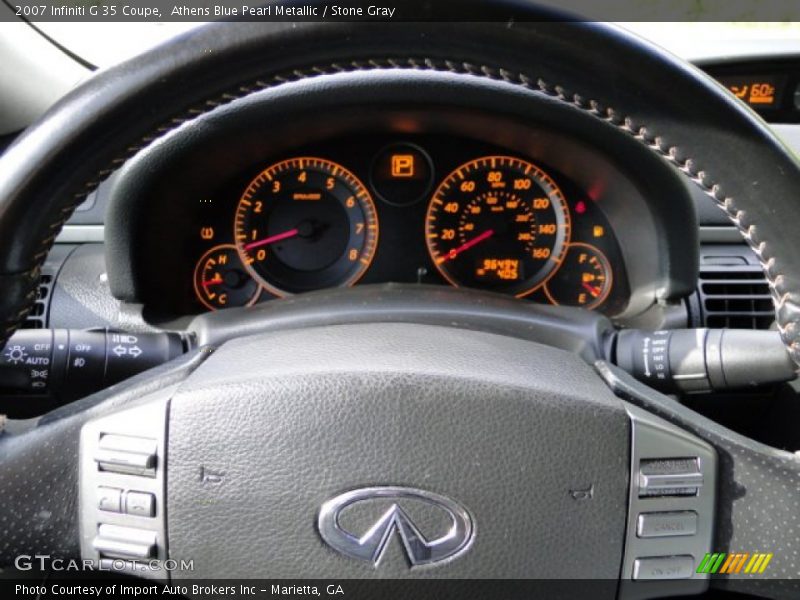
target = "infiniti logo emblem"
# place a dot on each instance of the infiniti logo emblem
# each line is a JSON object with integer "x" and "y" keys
{"x": 371, "y": 545}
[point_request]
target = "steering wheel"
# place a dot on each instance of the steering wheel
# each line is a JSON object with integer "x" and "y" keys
{"x": 481, "y": 433}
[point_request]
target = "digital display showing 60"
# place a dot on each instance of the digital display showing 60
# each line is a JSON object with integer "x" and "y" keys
{"x": 762, "y": 91}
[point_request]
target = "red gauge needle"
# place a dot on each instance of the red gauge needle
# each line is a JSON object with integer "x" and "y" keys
{"x": 212, "y": 282}
{"x": 272, "y": 239}
{"x": 595, "y": 292}
{"x": 465, "y": 246}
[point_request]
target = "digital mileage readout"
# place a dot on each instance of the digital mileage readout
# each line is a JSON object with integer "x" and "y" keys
{"x": 499, "y": 269}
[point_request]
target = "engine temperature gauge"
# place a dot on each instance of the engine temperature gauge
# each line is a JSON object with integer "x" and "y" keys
{"x": 584, "y": 278}
{"x": 220, "y": 279}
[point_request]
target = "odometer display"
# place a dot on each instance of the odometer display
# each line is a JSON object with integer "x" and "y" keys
{"x": 498, "y": 223}
{"x": 305, "y": 224}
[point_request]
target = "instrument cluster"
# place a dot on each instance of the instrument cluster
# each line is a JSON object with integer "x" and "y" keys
{"x": 429, "y": 209}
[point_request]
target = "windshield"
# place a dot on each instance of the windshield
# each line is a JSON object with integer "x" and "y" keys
{"x": 108, "y": 43}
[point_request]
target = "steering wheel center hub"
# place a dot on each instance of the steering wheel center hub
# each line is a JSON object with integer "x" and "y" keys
{"x": 376, "y": 450}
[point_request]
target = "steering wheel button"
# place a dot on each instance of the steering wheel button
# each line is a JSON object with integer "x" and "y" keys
{"x": 122, "y": 549}
{"x": 126, "y": 462}
{"x": 114, "y": 541}
{"x": 109, "y": 499}
{"x": 670, "y": 477}
{"x": 126, "y": 454}
{"x": 128, "y": 443}
{"x": 666, "y": 524}
{"x": 140, "y": 504}
{"x": 663, "y": 567}
{"x": 668, "y": 466}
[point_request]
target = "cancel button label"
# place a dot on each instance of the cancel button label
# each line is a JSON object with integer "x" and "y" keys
{"x": 666, "y": 524}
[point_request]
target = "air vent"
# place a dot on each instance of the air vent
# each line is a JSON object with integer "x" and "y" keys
{"x": 734, "y": 296}
{"x": 37, "y": 318}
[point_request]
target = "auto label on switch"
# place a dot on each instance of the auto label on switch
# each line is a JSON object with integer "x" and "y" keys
{"x": 25, "y": 363}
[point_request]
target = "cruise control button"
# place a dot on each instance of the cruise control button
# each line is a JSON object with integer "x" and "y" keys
{"x": 128, "y": 443}
{"x": 114, "y": 541}
{"x": 670, "y": 477}
{"x": 126, "y": 462}
{"x": 663, "y": 567}
{"x": 109, "y": 499}
{"x": 127, "y": 454}
{"x": 666, "y": 524}
{"x": 140, "y": 504}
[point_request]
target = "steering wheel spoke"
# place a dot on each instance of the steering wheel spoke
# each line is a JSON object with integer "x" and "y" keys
{"x": 39, "y": 466}
{"x": 750, "y": 476}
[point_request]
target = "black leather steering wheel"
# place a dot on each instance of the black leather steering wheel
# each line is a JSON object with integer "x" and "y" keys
{"x": 484, "y": 416}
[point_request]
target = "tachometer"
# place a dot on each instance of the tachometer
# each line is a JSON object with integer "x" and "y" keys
{"x": 498, "y": 223}
{"x": 305, "y": 224}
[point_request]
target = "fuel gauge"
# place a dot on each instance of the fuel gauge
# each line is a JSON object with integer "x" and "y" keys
{"x": 584, "y": 278}
{"x": 220, "y": 279}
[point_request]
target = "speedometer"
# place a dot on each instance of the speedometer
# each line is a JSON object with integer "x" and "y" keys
{"x": 498, "y": 223}
{"x": 304, "y": 224}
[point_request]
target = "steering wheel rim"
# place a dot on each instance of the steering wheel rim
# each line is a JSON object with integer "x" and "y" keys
{"x": 91, "y": 132}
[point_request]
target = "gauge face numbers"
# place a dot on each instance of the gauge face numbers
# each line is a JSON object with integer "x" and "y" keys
{"x": 221, "y": 281}
{"x": 584, "y": 278}
{"x": 305, "y": 224}
{"x": 498, "y": 223}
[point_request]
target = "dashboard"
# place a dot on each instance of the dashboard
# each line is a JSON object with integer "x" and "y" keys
{"x": 359, "y": 209}
{"x": 426, "y": 208}
{"x": 269, "y": 196}
{"x": 157, "y": 247}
